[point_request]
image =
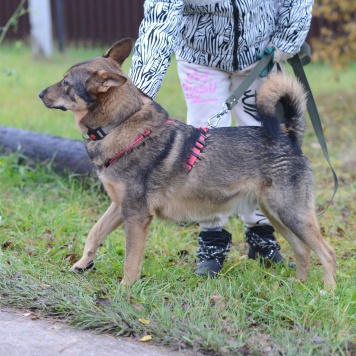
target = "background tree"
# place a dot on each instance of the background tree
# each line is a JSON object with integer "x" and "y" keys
{"x": 335, "y": 44}
{"x": 13, "y": 20}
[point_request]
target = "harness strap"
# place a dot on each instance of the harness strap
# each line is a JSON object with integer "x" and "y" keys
{"x": 196, "y": 150}
{"x": 137, "y": 140}
{"x": 198, "y": 147}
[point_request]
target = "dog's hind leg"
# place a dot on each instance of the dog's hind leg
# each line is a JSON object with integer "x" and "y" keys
{"x": 106, "y": 224}
{"x": 301, "y": 251}
{"x": 305, "y": 229}
{"x": 136, "y": 232}
{"x": 326, "y": 255}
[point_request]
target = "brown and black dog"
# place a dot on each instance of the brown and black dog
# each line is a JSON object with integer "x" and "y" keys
{"x": 151, "y": 165}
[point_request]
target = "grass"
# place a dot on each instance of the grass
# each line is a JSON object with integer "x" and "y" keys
{"x": 45, "y": 218}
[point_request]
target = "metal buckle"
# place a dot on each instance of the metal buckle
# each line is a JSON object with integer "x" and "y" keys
{"x": 96, "y": 134}
{"x": 217, "y": 116}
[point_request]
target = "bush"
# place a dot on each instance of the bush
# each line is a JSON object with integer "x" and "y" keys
{"x": 336, "y": 44}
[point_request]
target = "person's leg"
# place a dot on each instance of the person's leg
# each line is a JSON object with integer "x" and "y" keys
{"x": 205, "y": 90}
{"x": 260, "y": 237}
{"x": 259, "y": 232}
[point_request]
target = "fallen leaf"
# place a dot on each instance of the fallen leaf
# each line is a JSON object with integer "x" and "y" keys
{"x": 138, "y": 306}
{"x": 215, "y": 298}
{"x": 7, "y": 244}
{"x": 183, "y": 253}
{"x": 102, "y": 301}
{"x": 146, "y": 338}
{"x": 144, "y": 321}
{"x": 301, "y": 328}
{"x": 185, "y": 306}
{"x": 340, "y": 231}
{"x": 323, "y": 292}
{"x": 275, "y": 286}
{"x": 313, "y": 301}
{"x": 218, "y": 301}
{"x": 72, "y": 257}
{"x": 318, "y": 340}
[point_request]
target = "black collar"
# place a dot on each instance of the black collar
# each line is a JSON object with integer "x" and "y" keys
{"x": 99, "y": 133}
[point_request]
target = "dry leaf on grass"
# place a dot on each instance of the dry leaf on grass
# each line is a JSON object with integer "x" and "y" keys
{"x": 143, "y": 321}
{"x": 146, "y": 338}
{"x": 218, "y": 301}
{"x": 102, "y": 301}
{"x": 7, "y": 244}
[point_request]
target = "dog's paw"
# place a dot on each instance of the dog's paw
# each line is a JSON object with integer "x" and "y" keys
{"x": 75, "y": 268}
{"x": 125, "y": 281}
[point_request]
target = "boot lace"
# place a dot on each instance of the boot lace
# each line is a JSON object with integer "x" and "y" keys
{"x": 207, "y": 252}
{"x": 259, "y": 243}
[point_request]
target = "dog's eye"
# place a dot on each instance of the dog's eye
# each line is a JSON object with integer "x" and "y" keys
{"x": 65, "y": 82}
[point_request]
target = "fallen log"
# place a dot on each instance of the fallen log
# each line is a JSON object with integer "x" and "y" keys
{"x": 65, "y": 154}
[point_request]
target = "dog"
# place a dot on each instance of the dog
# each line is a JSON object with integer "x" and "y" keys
{"x": 152, "y": 165}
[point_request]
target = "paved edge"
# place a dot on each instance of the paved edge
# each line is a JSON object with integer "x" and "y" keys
{"x": 22, "y": 336}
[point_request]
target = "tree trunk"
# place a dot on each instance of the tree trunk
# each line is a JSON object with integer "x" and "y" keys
{"x": 66, "y": 154}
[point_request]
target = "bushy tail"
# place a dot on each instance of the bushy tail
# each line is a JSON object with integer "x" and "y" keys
{"x": 280, "y": 88}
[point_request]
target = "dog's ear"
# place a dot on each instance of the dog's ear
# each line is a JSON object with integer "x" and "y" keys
{"x": 120, "y": 50}
{"x": 104, "y": 80}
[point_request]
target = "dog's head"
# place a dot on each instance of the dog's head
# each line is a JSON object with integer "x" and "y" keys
{"x": 83, "y": 83}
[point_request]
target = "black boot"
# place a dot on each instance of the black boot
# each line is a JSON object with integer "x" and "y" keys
{"x": 213, "y": 248}
{"x": 263, "y": 244}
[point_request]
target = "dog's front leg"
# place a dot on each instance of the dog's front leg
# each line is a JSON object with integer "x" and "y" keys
{"x": 106, "y": 224}
{"x": 136, "y": 231}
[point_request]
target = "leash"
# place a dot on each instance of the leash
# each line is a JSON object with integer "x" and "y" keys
{"x": 232, "y": 100}
{"x": 297, "y": 62}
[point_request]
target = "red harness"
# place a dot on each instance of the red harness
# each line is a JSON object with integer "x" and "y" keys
{"x": 136, "y": 141}
{"x": 198, "y": 147}
{"x": 196, "y": 150}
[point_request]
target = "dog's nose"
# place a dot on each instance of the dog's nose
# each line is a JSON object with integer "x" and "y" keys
{"x": 42, "y": 93}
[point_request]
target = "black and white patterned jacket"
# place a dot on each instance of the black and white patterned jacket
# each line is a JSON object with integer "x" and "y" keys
{"x": 225, "y": 34}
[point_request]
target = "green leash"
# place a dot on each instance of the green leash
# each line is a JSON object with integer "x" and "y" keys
{"x": 297, "y": 62}
{"x": 232, "y": 100}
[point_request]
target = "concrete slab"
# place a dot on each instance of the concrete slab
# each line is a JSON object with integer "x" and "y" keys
{"x": 22, "y": 336}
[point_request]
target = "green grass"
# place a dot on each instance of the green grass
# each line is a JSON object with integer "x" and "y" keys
{"x": 45, "y": 219}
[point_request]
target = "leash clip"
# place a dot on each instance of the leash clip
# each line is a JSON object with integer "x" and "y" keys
{"x": 217, "y": 117}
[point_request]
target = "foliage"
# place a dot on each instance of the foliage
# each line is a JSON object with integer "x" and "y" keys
{"x": 336, "y": 44}
{"x": 13, "y": 20}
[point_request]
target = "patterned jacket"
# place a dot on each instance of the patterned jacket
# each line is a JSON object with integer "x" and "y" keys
{"x": 225, "y": 34}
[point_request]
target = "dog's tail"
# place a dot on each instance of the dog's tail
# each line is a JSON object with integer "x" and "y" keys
{"x": 280, "y": 88}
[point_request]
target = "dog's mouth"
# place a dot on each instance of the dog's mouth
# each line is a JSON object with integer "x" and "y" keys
{"x": 60, "y": 108}
{"x": 48, "y": 103}
{"x": 49, "y": 106}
